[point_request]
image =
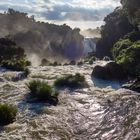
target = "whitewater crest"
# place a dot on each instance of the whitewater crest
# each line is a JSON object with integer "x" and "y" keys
{"x": 103, "y": 111}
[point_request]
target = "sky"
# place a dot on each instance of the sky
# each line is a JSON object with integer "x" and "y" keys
{"x": 83, "y": 14}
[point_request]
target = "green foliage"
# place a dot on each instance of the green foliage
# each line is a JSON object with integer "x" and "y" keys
{"x": 40, "y": 90}
{"x": 117, "y": 25}
{"x": 121, "y": 35}
{"x": 127, "y": 54}
{"x": 10, "y": 50}
{"x": 7, "y": 114}
{"x": 15, "y": 64}
{"x": 133, "y": 36}
{"x": 11, "y": 56}
{"x": 119, "y": 46}
{"x": 33, "y": 35}
{"x": 71, "y": 81}
{"x": 132, "y": 8}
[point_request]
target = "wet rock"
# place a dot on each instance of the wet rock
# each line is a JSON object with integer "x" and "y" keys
{"x": 80, "y": 63}
{"x": 2, "y": 79}
{"x": 44, "y": 62}
{"x": 18, "y": 76}
{"x": 135, "y": 86}
{"x": 73, "y": 62}
{"x": 52, "y": 100}
{"x": 106, "y": 58}
{"x": 111, "y": 71}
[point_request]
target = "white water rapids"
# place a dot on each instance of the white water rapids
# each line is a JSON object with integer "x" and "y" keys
{"x": 83, "y": 114}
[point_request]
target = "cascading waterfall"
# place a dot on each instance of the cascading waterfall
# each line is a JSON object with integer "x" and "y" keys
{"x": 89, "y": 46}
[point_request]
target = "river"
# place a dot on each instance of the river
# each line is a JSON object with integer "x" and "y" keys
{"x": 100, "y": 112}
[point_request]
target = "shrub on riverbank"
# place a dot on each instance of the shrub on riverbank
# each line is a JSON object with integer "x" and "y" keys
{"x": 72, "y": 81}
{"x": 11, "y": 56}
{"x": 7, "y": 114}
{"x": 14, "y": 64}
{"x": 17, "y": 65}
{"x": 41, "y": 91}
{"x": 127, "y": 54}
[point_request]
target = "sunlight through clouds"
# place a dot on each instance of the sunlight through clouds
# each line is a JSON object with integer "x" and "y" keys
{"x": 71, "y": 12}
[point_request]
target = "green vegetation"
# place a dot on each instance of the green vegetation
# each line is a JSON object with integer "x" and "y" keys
{"x": 15, "y": 64}
{"x": 127, "y": 54}
{"x": 34, "y": 35}
{"x": 117, "y": 25}
{"x": 7, "y": 114}
{"x": 132, "y": 9}
{"x": 41, "y": 91}
{"x": 71, "y": 81}
{"x": 121, "y": 37}
{"x": 13, "y": 57}
{"x": 119, "y": 46}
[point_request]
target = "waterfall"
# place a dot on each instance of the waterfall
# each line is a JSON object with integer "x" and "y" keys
{"x": 89, "y": 46}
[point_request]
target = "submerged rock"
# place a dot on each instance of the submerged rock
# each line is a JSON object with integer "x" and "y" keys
{"x": 111, "y": 71}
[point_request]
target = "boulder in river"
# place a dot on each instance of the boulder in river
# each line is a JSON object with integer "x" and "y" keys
{"x": 106, "y": 58}
{"x": 73, "y": 62}
{"x": 135, "y": 86}
{"x": 111, "y": 71}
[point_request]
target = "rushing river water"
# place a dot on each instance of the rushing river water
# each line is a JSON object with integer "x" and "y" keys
{"x": 83, "y": 114}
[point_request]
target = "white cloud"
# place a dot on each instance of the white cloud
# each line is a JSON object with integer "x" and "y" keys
{"x": 64, "y": 10}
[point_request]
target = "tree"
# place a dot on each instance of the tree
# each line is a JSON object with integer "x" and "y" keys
{"x": 116, "y": 26}
{"x": 132, "y": 8}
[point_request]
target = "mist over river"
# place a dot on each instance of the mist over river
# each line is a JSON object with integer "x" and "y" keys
{"x": 104, "y": 111}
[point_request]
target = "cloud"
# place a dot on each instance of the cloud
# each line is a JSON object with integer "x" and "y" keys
{"x": 63, "y": 10}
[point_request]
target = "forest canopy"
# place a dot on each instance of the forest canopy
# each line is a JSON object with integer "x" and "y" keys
{"x": 40, "y": 38}
{"x": 120, "y": 36}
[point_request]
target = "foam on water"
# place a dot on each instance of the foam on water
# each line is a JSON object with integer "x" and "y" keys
{"x": 83, "y": 114}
